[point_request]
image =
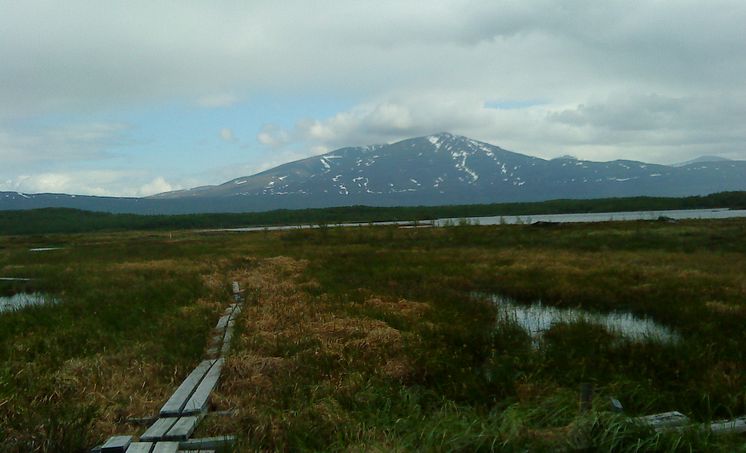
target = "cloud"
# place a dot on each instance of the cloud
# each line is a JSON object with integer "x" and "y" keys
{"x": 157, "y": 185}
{"x": 87, "y": 56}
{"x": 227, "y": 135}
{"x": 217, "y": 100}
{"x": 655, "y": 80}
{"x": 652, "y": 127}
{"x": 90, "y": 182}
{"x": 63, "y": 143}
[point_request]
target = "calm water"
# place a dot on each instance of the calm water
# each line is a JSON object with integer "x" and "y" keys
{"x": 603, "y": 216}
{"x": 537, "y": 319}
{"x": 513, "y": 220}
{"x": 20, "y": 300}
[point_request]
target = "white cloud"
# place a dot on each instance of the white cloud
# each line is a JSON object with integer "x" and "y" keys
{"x": 227, "y": 135}
{"x": 90, "y": 182}
{"x": 653, "y": 128}
{"x": 157, "y": 185}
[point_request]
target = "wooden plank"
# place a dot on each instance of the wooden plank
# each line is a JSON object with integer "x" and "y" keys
{"x": 176, "y": 402}
{"x": 182, "y": 429}
{"x": 166, "y": 447}
{"x": 665, "y": 420}
{"x": 208, "y": 442}
{"x": 227, "y": 342}
{"x": 116, "y": 444}
{"x": 198, "y": 401}
{"x": 158, "y": 429}
{"x": 737, "y": 425}
{"x": 222, "y": 322}
{"x": 140, "y": 447}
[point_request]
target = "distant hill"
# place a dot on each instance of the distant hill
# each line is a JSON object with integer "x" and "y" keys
{"x": 441, "y": 169}
{"x": 701, "y": 160}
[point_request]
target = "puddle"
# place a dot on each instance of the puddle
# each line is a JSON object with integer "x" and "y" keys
{"x": 537, "y": 318}
{"x": 21, "y": 300}
{"x": 44, "y": 249}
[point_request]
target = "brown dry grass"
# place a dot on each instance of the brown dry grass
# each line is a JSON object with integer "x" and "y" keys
{"x": 290, "y": 337}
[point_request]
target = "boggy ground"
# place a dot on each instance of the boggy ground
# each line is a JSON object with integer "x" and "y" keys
{"x": 372, "y": 339}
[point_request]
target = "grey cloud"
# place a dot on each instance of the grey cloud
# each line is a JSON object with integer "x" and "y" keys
{"x": 651, "y": 127}
{"x": 83, "y": 54}
{"x": 65, "y": 143}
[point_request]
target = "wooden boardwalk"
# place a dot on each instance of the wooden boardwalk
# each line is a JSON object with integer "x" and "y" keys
{"x": 177, "y": 419}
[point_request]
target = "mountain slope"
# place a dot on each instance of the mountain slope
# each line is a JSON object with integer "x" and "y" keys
{"x": 445, "y": 168}
{"x": 433, "y": 170}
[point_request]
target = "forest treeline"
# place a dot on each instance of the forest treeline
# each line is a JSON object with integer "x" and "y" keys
{"x": 61, "y": 220}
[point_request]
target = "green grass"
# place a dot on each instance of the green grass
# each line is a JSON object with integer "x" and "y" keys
{"x": 370, "y": 338}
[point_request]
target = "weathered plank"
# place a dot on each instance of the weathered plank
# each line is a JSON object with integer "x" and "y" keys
{"x": 182, "y": 429}
{"x": 222, "y": 322}
{"x": 158, "y": 430}
{"x": 227, "y": 342}
{"x": 140, "y": 447}
{"x": 116, "y": 444}
{"x": 166, "y": 447}
{"x": 737, "y": 425}
{"x": 198, "y": 401}
{"x": 207, "y": 442}
{"x": 176, "y": 402}
{"x": 665, "y": 420}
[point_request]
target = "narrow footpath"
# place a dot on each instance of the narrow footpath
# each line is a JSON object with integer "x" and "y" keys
{"x": 172, "y": 429}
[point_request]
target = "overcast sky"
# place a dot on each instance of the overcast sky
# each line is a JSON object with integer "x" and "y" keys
{"x": 139, "y": 97}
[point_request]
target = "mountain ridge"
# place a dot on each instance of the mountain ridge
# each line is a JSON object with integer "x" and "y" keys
{"x": 437, "y": 169}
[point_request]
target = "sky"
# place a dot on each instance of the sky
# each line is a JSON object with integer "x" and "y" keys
{"x": 133, "y": 98}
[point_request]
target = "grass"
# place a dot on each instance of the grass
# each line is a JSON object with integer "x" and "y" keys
{"x": 368, "y": 338}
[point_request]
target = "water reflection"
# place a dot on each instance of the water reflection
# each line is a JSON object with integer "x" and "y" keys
{"x": 537, "y": 318}
{"x": 21, "y": 300}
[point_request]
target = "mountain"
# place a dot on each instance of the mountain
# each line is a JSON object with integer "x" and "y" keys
{"x": 432, "y": 170}
{"x": 701, "y": 160}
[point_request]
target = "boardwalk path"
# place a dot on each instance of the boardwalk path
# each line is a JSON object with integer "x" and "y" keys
{"x": 178, "y": 418}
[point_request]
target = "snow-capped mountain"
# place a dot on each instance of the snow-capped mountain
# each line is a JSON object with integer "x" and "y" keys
{"x": 446, "y": 168}
{"x": 432, "y": 170}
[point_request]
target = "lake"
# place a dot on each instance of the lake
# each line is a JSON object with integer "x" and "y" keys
{"x": 524, "y": 219}
{"x": 600, "y": 217}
